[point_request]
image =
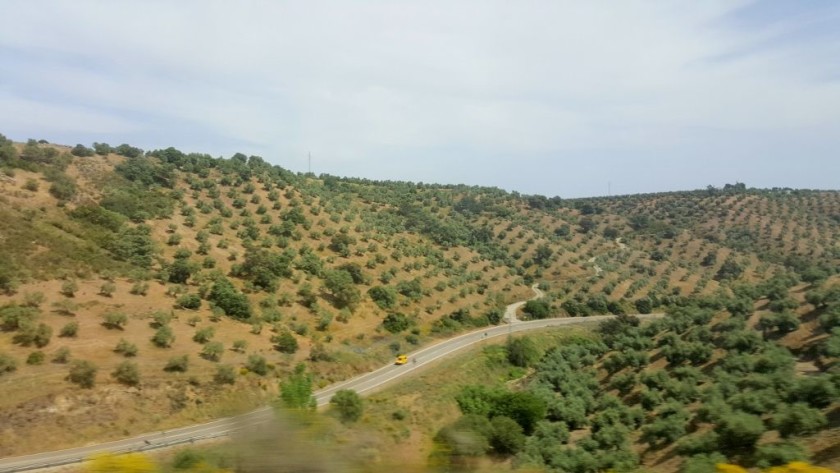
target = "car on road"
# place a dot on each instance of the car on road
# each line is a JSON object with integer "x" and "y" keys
{"x": 401, "y": 360}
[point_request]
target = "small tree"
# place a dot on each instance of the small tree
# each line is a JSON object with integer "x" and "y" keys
{"x": 177, "y": 363}
{"x": 35, "y": 358}
{"x": 225, "y": 374}
{"x": 69, "y": 288}
{"x": 348, "y": 404}
{"x": 240, "y": 345}
{"x": 163, "y": 337}
{"x": 740, "y": 431}
{"x": 189, "y": 301}
{"x": 33, "y": 299}
{"x": 107, "y": 289}
{"x": 798, "y": 419}
{"x": 83, "y": 373}
{"x": 127, "y": 373}
{"x": 7, "y": 364}
{"x": 126, "y": 348}
{"x": 62, "y": 355}
{"x": 285, "y": 342}
{"x": 537, "y": 309}
{"x": 212, "y": 351}
{"x": 71, "y": 329}
{"x": 507, "y": 437}
{"x": 204, "y": 335}
{"x": 296, "y": 391}
{"x": 395, "y": 323}
{"x": 115, "y": 320}
{"x": 31, "y": 334}
{"x": 522, "y": 352}
{"x": 257, "y": 364}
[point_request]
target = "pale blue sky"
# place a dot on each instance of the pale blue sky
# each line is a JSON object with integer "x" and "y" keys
{"x": 548, "y": 97}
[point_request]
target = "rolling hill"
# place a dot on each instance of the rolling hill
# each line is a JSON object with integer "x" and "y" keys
{"x": 143, "y": 290}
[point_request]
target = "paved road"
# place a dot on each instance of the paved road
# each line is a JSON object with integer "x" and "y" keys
{"x": 364, "y": 384}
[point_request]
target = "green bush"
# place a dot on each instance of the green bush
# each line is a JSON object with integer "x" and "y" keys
{"x": 126, "y": 348}
{"x": 225, "y": 374}
{"x": 507, "y": 437}
{"x": 71, "y": 329}
{"x": 348, "y": 404}
{"x": 230, "y": 300}
{"x": 115, "y": 320}
{"x": 285, "y": 342}
{"x": 35, "y": 358}
{"x": 163, "y": 337}
{"x": 83, "y": 373}
{"x": 257, "y": 364}
{"x": 204, "y": 335}
{"x": 395, "y": 323}
{"x": 177, "y": 363}
{"x": 383, "y": 296}
{"x": 189, "y": 301}
{"x": 213, "y": 351}
{"x": 127, "y": 373}
{"x": 522, "y": 352}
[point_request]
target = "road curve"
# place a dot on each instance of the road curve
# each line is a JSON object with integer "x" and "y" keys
{"x": 363, "y": 384}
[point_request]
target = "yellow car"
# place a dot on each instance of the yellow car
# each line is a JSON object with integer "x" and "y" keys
{"x": 401, "y": 360}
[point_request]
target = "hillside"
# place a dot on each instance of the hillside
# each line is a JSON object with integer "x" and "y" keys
{"x": 132, "y": 260}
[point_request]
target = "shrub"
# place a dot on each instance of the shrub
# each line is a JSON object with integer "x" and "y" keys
{"x": 507, "y": 437}
{"x": 212, "y": 351}
{"x": 798, "y": 419}
{"x": 257, "y": 364}
{"x": 740, "y": 431}
{"x": 83, "y": 373}
{"x": 537, "y": 309}
{"x": 177, "y": 363}
{"x": 383, "y": 296}
{"x": 63, "y": 187}
{"x": 163, "y": 337}
{"x": 189, "y": 301}
{"x": 69, "y": 288}
{"x": 522, "y": 352}
{"x": 62, "y": 355}
{"x": 348, "y": 404}
{"x": 126, "y": 348}
{"x": 204, "y": 335}
{"x": 231, "y": 301}
{"x": 31, "y": 185}
{"x": 139, "y": 288}
{"x": 115, "y": 320}
{"x": 239, "y": 345}
{"x": 107, "y": 289}
{"x": 33, "y": 299}
{"x": 225, "y": 374}
{"x": 285, "y": 342}
{"x": 81, "y": 151}
{"x": 35, "y": 358}
{"x": 395, "y": 323}
{"x": 780, "y": 453}
{"x": 7, "y": 364}
{"x": 34, "y": 335}
{"x": 71, "y": 329}
{"x": 127, "y": 373}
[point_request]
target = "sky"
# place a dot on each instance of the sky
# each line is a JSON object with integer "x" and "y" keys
{"x": 552, "y": 97}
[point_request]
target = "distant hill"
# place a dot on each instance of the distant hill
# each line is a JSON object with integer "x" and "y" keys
{"x": 131, "y": 260}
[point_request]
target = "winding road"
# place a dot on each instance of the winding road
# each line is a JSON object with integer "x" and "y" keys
{"x": 363, "y": 384}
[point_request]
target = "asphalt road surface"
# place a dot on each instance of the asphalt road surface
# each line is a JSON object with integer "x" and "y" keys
{"x": 363, "y": 384}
